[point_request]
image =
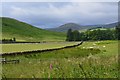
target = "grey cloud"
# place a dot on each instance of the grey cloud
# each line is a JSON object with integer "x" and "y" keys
{"x": 47, "y": 15}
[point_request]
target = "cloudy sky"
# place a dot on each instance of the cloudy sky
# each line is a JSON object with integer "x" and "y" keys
{"x": 54, "y": 14}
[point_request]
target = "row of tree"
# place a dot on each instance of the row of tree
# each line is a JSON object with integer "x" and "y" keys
{"x": 73, "y": 35}
{"x": 108, "y": 34}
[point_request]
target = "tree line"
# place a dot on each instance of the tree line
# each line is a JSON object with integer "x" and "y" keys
{"x": 95, "y": 34}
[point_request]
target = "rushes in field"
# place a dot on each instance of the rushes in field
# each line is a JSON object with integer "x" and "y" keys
{"x": 81, "y": 67}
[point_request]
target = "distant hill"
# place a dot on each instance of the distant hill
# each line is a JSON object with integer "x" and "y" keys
{"x": 74, "y": 26}
{"x": 65, "y": 27}
{"x": 111, "y": 25}
{"x": 26, "y": 32}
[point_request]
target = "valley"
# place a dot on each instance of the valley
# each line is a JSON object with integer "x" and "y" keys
{"x": 96, "y": 57}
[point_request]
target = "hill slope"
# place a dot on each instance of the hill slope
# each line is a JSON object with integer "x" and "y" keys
{"x": 65, "y": 27}
{"x": 111, "y": 25}
{"x": 73, "y": 26}
{"x": 26, "y": 32}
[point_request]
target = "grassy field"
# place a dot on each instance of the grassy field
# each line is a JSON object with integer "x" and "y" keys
{"x": 90, "y": 60}
{"x": 6, "y": 48}
{"x": 107, "y": 48}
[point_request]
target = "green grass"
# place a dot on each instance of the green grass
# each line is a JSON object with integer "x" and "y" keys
{"x": 79, "y": 62}
{"x": 7, "y": 48}
{"x": 108, "y": 48}
{"x": 26, "y": 32}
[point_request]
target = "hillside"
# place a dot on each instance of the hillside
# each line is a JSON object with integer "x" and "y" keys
{"x": 26, "y": 32}
{"x": 73, "y": 26}
{"x": 65, "y": 27}
{"x": 111, "y": 25}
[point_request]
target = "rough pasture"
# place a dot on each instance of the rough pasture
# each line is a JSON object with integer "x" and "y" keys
{"x": 85, "y": 61}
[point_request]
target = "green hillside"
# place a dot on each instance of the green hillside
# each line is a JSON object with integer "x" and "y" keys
{"x": 26, "y": 32}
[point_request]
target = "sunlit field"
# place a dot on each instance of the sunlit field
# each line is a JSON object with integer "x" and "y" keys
{"x": 7, "y": 48}
{"x": 97, "y": 59}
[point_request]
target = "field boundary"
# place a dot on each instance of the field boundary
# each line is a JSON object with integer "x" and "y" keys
{"x": 39, "y": 51}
